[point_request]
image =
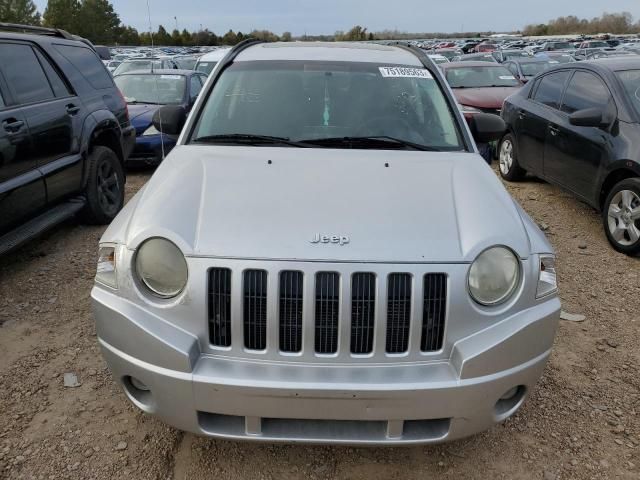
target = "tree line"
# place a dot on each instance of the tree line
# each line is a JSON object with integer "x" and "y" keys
{"x": 615, "y": 23}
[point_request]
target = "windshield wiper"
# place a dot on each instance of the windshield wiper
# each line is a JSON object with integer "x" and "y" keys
{"x": 373, "y": 141}
{"x": 249, "y": 139}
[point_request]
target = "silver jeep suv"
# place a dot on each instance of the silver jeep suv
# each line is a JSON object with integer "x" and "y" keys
{"x": 325, "y": 258}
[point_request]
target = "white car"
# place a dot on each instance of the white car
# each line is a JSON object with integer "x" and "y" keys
{"x": 324, "y": 257}
{"x": 208, "y": 61}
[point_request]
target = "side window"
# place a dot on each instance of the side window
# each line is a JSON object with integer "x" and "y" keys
{"x": 513, "y": 69}
{"x": 196, "y": 86}
{"x": 58, "y": 85}
{"x": 585, "y": 91}
{"x": 549, "y": 89}
{"x": 23, "y": 73}
{"x": 2, "y": 104}
{"x": 88, "y": 64}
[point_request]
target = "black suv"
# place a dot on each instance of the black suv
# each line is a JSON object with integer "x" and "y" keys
{"x": 64, "y": 133}
{"x": 578, "y": 126}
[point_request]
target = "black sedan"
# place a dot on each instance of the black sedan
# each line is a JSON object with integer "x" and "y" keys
{"x": 577, "y": 125}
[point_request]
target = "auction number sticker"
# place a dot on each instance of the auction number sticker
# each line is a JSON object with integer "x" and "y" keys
{"x": 404, "y": 72}
{"x": 170, "y": 77}
{"x": 507, "y": 77}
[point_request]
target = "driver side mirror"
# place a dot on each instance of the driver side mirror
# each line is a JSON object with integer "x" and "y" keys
{"x": 170, "y": 119}
{"x": 487, "y": 127}
{"x": 589, "y": 117}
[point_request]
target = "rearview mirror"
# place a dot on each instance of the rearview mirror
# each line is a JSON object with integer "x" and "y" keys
{"x": 589, "y": 117}
{"x": 170, "y": 119}
{"x": 486, "y": 127}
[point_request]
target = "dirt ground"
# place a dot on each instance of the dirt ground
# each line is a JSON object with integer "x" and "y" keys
{"x": 582, "y": 421}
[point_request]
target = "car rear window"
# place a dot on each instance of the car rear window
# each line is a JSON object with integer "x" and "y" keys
{"x": 88, "y": 64}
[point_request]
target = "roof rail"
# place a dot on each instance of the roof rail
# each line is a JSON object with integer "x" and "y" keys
{"x": 35, "y": 30}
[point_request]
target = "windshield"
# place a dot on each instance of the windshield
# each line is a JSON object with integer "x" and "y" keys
{"x": 206, "y": 67}
{"x": 520, "y": 54}
{"x": 631, "y": 81}
{"x": 566, "y": 58}
{"x": 598, "y": 45}
{"x": 311, "y": 101}
{"x": 149, "y": 88}
{"x": 477, "y": 77}
{"x": 477, "y": 58}
{"x": 186, "y": 63}
{"x": 534, "y": 68}
{"x": 138, "y": 65}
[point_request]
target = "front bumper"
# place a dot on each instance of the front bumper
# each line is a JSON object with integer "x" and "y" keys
{"x": 369, "y": 404}
{"x": 148, "y": 149}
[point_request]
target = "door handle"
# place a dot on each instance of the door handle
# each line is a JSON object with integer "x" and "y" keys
{"x": 12, "y": 125}
{"x": 553, "y": 130}
{"x": 72, "y": 109}
{"x": 521, "y": 115}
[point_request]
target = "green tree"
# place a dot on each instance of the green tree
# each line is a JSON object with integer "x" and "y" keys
{"x": 161, "y": 37}
{"x": 357, "y": 33}
{"x": 62, "y": 14}
{"x": 19, "y": 11}
{"x": 230, "y": 38}
{"x": 187, "y": 38}
{"x": 286, "y": 37}
{"x": 98, "y": 21}
{"x": 128, "y": 36}
{"x": 176, "y": 38}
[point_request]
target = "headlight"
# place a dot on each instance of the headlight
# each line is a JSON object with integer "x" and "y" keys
{"x": 161, "y": 267}
{"x": 469, "y": 109}
{"x": 547, "y": 281}
{"x": 494, "y": 276}
{"x": 106, "y": 273}
{"x": 151, "y": 131}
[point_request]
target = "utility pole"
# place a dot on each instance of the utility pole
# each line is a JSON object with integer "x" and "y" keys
{"x": 176, "y": 19}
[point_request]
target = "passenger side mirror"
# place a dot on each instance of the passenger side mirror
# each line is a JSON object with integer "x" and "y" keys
{"x": 486, "y": 127}
{"x": 589, "y": 117}
{"x": 170, "y": 119}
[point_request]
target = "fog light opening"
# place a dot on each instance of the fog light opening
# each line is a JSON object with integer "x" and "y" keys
{"x": 510, "y": 401}
{"x": 138, "y": 392}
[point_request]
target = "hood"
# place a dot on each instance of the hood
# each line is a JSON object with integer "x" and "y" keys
{"x": 231, "y": 202}
{"x": 488, "y": 97}
{"x": 141, "y": 116}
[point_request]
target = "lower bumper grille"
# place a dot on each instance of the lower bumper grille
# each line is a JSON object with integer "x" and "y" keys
{"x": 362, "y": 307}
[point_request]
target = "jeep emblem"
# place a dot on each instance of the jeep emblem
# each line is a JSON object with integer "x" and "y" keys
{"x": 335, "y": 239}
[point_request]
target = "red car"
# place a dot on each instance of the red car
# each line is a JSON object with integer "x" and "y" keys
{"x": 480, "y": 86}
{"x": 485, "y": 47}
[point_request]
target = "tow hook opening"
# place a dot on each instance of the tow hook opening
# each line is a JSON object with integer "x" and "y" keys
{"x": 510, "y": 401}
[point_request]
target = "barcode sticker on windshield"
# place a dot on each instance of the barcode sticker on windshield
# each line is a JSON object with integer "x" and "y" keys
{"x": 507, "y": 77}
{"x": 170, "y": 77}
{"x": 404, "y": 72}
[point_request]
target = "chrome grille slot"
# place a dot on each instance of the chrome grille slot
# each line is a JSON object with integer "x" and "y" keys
{"x": 398, "y": 312}
{"x": 255, "y": 309}
{"x": 327, "y": 312}
{"x": 434, "y": 312}
{"x": 220, "y": 307}
{"x": 363, "y": 304}
{"x": 291, "y": 284}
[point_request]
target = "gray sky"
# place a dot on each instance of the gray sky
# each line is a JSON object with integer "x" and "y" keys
{"x": 327, "y": 16}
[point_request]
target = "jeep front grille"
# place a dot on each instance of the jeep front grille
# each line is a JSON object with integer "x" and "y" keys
{"x": 398, "y": 312}
{"x": 290, "y": 311}
{"x": 220, "y": 307}
{"x": 255, "y": 309}
{"x": 363, "y": 310}
{"x": 327, "y": 313}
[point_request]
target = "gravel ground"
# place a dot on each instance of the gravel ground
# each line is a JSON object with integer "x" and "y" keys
{"x": 582, "y": 421}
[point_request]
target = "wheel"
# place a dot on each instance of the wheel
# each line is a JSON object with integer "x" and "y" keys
{"x": 105, "y": 187}
{"x": 508, "y": 160}
{"x": 621, "y": 216}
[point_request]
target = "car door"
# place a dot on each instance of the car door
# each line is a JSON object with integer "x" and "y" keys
{"x": 53, "y": 115}
{"x": 22, "y": 188}
{"x": 573, "y": 155}
{"x": 533, "y": 119}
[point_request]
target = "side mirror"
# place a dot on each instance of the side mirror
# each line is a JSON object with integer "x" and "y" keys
{"x": 486, "y": 127}
{"x": 589, "y": 117}
{"x": 170, "y": 119}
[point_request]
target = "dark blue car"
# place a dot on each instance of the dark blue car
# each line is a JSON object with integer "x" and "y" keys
{"x": 145, "y": 92}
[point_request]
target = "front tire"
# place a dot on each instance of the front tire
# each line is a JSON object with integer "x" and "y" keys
{"x": 621, "y": 216}
{"x": 105, "y": 187}
{"x": 508, "y": 164}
